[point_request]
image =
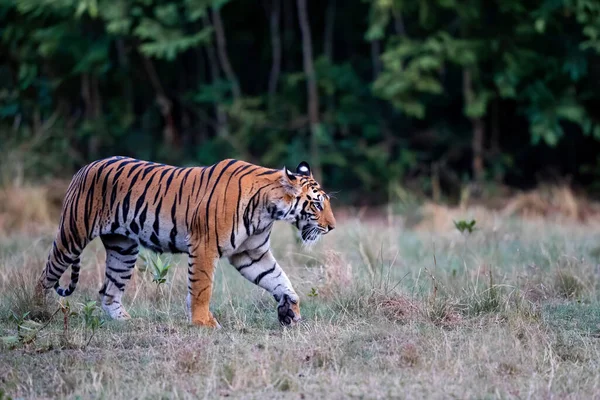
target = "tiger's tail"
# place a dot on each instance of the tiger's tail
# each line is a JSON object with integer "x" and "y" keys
{"x": 57, "y": 264}
{"x": 64, "y": 292}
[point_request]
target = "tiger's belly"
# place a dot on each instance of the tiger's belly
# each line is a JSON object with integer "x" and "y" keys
{"x": 163, "y": 243}
{"x": 161, "y": 236}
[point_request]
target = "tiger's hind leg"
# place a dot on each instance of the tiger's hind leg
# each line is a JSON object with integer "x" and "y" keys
{"x": 121, "y": 255}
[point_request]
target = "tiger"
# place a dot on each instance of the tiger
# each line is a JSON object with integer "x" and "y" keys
{"x": 226, "y": 210}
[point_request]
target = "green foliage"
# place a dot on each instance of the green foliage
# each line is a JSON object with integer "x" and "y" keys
{"x": 27, "y": 329}
{"x": 83, "y": 79}
{"x": 465, "y": 226}
{"x": 91, "y": 315}
{"x": 159, "y": 268}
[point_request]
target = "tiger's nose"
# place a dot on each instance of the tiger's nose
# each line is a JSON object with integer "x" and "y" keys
{"x": 330, "y": 227}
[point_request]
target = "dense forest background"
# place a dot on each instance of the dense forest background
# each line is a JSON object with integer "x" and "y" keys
{"x": 377, "y": 95}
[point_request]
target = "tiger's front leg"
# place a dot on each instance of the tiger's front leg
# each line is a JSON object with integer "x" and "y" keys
{"x": 260, "y": 267}
{"x": 201, "y": 267}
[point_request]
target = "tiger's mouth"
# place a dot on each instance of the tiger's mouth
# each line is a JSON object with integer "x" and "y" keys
{"x": 311, "y": 233}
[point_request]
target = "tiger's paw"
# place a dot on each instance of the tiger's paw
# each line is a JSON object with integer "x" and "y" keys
{"x": 288, "y": 310}
{"x": 210, "y": 321}
{"x": 116, "y": 311}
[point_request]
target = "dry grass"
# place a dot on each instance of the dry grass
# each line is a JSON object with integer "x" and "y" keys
{"x": 30, "y": 208}
{"x": 509, "y": 311}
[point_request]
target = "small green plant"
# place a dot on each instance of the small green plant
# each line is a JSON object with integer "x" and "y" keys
{"x": 465, "y": 226}
{"x": 90, "y": 312}
{"x": 313, "y": 292}
{"x": 18, "y": 319}
{"x": 27, "y": 329}
{"x": 23, "y": 331}
{"x": 159, "y": 269}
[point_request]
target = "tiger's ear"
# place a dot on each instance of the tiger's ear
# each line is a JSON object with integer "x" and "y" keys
{"x": 290, "y": 181}
{"x": 289, "y": 174}
{"x": 304, "y": 169}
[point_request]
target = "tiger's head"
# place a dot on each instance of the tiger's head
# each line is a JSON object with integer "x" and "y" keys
{"x": 305, "y": 204}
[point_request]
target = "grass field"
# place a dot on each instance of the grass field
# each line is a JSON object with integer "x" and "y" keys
{"x": 510, "y": 310}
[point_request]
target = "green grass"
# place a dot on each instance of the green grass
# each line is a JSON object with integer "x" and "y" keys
{"x": 511, "y": 310}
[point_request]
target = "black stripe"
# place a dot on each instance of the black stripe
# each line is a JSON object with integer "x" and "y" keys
{"x": 118, "y": 284}
{"x": 252, "y": 261}
{"x": 156, "y": 225}
{"x": 154, "y": 240}
{"x": 133, "y": 168}
{"x": 158, "y": 188}
{"x": 293, "y": 206}
{"x": 263, "y": 274}
{"x": 173, "y": 233}
{"x": 116, "y": 223}
{"x": 271, "y": 172}
{"x": 238, "y": 169}
{"x": 115, "y": 188}
{"x": 49, "y": 271}
{"x": 88, "y": 209}
{"x": 142, "y": 198}
{"x": 143, "y": 216}
{"x": 202, "y": 180}
{"x": 91, "y": 234}
{"x": 148, "y": 169}
{"x": 170, "y": 179}
{"x": 237, "y": 207}
{"x": 134, "y": 227}
{"x": 263, "y": 243}
{"x": 193, "y": 187}
{"x": 127, "y": 200}
{"x": 105, "y": 183}
{"x": 182, "y": 184}
{"x": 120, "y": 270}
{"x": 123, "y": 251}
{"x": 236, "y": 212}
{"x": 212, "y": 192}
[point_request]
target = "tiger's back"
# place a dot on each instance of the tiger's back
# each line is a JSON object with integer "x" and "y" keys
{"x": 141, "y": 200}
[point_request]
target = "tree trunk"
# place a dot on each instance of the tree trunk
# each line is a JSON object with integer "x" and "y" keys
{"x": 495, "y": 139}
{"x": 125, "y": 66}
{"x": 164, "y": 103}
{"x": 375, "y": 59}
{"x": 311, "y": 86}
{"x": 222, "y": 125}
{"x": 477, "y": 144}
{"x": 222, "y": 120}
{"x": 328, "y": 117}
{"x": 398, "y": 22}
{"x": 478, "y": 129}
{"x": 222, "y": 52}
{"x": 275, "y": 48}
{"x": 288, "y": 34}
{"x": 91, "y": 99}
